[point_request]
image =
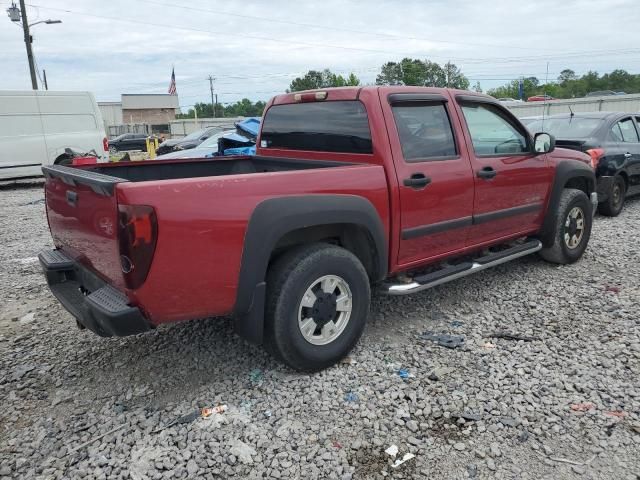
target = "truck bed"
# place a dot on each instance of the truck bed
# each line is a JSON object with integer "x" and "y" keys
{"x": 203, "y": 208}
{"x": 217, "y": 167}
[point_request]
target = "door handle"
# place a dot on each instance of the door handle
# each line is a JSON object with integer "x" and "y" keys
{"x": 417, "y": 181}
{"x": 487, "y": 173}
{"x": 72, "y": 198}
{"x": 627, "y": 155}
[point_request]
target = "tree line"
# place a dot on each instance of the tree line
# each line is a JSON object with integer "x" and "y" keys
{"x": 425, "y": 73}
{"x": 570, "y": 85}
{"x": 408, "y": 71}
{"x": 242, "y": 108}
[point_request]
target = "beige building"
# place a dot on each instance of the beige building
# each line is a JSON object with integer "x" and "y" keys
{"x": 141, "y": 110}
{"x": 153, "y": 109}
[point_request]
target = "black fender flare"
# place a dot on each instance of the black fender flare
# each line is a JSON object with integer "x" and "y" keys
{"x": 275, "y": 217}
{"x": 565, "y": 171}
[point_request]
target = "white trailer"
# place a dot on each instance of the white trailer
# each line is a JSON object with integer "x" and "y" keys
{"x": 37, "y": 126}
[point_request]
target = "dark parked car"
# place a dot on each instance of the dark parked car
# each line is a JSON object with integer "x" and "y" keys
{"x": 613, "y": 142}
{"x": 190, "y": 141}
{"x": 128, "y": 141}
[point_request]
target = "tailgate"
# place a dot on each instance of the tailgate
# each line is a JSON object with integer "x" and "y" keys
{"x": 83, "y": 218}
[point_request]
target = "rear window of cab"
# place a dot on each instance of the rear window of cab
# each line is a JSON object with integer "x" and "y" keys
{"x": 333, "y": 126}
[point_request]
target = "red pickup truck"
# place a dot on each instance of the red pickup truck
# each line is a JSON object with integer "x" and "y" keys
{"x": 400, "y": 188}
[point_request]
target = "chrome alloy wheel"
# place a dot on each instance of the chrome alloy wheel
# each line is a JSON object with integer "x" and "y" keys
{"x": 325, "y": 310}
{"x": 574, "y": 228}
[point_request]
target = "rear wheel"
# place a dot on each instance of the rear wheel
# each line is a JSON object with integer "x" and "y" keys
{"x": 612, "y": 206}
{"x": 574, "y": 219}
{"x": 317, "y": 305}
{"x": 113, "y": 150}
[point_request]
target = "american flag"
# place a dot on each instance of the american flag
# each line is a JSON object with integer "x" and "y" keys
{"x": 172, "y": 85}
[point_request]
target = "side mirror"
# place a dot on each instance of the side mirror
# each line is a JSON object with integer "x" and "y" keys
{"x": 544, "y": 142}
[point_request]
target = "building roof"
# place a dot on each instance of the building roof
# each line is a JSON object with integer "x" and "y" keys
{"x": 146, "y": 101}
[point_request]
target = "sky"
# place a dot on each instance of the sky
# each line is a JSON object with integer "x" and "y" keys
{"x": 254, "y": 49}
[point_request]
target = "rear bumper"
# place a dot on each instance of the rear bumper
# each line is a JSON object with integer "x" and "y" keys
{"x": 96, "y": 305}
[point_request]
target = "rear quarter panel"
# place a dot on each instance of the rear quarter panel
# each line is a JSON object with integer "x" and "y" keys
{"x": 202, "y": 224}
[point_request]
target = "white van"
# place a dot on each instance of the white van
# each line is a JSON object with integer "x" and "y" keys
{"x": 37, "y": 126}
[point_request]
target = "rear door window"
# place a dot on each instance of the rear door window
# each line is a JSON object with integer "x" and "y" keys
{"x": 340, "y": 126}
{"x": 425, "y": 131}
{"x": 628, "y": 131}
{"x": 615, "y": 133}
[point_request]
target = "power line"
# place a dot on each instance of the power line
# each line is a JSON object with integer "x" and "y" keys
{"x": 332, "y": 28}
{"x": 344, "y": 47}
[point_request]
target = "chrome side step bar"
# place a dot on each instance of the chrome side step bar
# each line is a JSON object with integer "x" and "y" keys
{"x": 453, "y": 272}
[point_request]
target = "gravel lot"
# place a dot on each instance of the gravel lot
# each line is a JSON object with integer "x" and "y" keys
{"x": 564, "y": 402}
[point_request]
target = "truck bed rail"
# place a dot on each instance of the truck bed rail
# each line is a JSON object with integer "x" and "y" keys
{"x": 99, "y": 182}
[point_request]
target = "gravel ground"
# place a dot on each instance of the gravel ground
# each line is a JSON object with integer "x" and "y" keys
{"x": 563, "y": 401}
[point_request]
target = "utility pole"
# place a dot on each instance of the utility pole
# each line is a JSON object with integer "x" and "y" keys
{"x": 27, "y": 41}
{"x": 44, "y": 79}
{"x": 16, "y": 15}
{"x": 213, "y": 104}
{"x": 447, "y": 69}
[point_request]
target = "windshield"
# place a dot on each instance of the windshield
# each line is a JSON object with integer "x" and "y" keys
{"x": 566, "y": 127}
{"x": 212, "y": 141}
{"x": 195, "y": 135}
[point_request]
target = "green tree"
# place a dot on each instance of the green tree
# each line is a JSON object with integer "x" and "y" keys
{"x": 621, "y": 81}
{"x": 511, "y": 89}
{"x": 454, "y": 77}
{"x": 242, "y": 108}
{"x": 570, "y": 85}
{"x": 567, "y": 75}
{"x": 424, "y": 73}
{"x": 314, "y": 79}
{"x": 435, "y": 75}
{"x": 477, "y": 87}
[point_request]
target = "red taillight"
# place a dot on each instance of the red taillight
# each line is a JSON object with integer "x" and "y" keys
{"x": 137, "y": 234}
{"x": 596, "y": 154}
{"x": 105, "y": 144}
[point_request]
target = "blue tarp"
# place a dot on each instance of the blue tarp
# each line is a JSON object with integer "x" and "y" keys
{"x": 241, "y": 151}
{"x": 249, "y": 125}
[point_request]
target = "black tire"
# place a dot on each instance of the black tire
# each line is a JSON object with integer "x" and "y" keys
{"x": 612, "y": 206}
{"x": 288, "y": 280}
{"x": 565, "y": 251}
{"x": 113, "y": 150}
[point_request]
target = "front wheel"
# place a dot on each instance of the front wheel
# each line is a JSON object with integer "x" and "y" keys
{"x": 574, "y": 219}
{"x": 317, "y": 305}
{"x": 113, "y": 150}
